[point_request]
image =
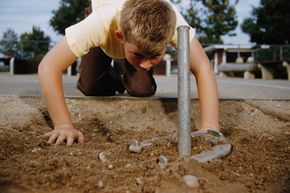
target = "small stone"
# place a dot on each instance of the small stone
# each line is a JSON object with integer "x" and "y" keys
{"x": 135, "y": 147}
{"x": 128, "y": 165}
{"x": 157, "y": 190}
{"x": 191, "y": 181}
{"x": 35, "y": 150}
{"x": 102, "y": 157}
{"x": 100, "y": 184}
{"x": 110, "y": 167}
{"x": 139, "y": 181}
{"x": 147, "y": 143}
{"x": 163, "y": 161}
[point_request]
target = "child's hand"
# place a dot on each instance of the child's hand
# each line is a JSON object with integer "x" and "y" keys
{"x": 63, "y": 133}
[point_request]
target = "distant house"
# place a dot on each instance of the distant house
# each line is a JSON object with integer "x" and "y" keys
{"x": 4, "y": 62}
{"x": 220, "y": 53}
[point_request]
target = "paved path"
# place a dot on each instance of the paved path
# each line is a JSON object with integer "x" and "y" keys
{"x": 229, "y": 88}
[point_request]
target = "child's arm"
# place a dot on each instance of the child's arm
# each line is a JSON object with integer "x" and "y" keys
{"x": 50, "y": 77}
{"x": 206, "y": 85}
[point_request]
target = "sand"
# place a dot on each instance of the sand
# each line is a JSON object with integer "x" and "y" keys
{"x": 258, "y": 130}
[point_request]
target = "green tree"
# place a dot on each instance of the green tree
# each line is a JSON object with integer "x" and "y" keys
{"x": 211, "y": 18}
{"x": 8, "y": 43}
{"x": 34, "y": 44}
{"x": 269, "y": 23}
{"x": 214, "y": 19}
{"x": 220, "y": 19}
{"x": 191, "y": 15}
{"x": 69, "y": 13}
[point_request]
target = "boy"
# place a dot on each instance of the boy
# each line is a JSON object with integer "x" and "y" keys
{"x": 135, "y": 30}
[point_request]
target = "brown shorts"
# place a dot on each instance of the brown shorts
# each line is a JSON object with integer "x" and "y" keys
{"x": 98, "y": 77}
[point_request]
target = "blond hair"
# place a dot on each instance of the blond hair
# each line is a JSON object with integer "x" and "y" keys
{"x": 150, "y": 24}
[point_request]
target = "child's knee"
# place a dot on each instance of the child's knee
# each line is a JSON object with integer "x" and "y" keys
{"x": 96, "y": 89}
{"x": 142, "y": 92}
{"x": 140, "y": 86}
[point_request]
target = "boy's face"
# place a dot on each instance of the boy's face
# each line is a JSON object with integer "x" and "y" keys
{"x": 138, "y": 58}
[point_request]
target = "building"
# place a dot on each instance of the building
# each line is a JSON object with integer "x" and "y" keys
{"x": 220, "y": 53}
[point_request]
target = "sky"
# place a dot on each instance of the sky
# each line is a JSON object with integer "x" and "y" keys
{"x": 21, "y": 15}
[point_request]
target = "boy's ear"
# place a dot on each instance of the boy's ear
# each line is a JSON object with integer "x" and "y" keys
{"x": 120, "y": 36}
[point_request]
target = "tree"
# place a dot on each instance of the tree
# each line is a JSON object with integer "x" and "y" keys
{"x": 211, "y": 18}
{"x": 269, "y": 23}
{"x": 215, "y": 19}
{"x": 8, "y": 43}
{"x": 34, "y": 44}
{"x": 192, "y": 17}
{"x": 220, "y": 20}
{"x": 69, "y": 13}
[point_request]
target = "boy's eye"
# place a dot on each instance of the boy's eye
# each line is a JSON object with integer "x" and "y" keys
{"x": 155, "y": 56}
{"x": 137, "y": 55}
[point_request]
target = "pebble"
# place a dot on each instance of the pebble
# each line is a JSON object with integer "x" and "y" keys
{"x": 135, "y": 147}
{"x": 110, "y": 167}
{"x": 191, "y": 181}
{"x": 128, "y": 165}
{"x": 35, "y": 150}
{"x": 139, "y": 181}
{"x": 147, "y": 143}
{"x": 163, "y": 161}
{"x": 102, "y": 157}
{"x": 157, "y": 190}
{"x": 100, "y": 184}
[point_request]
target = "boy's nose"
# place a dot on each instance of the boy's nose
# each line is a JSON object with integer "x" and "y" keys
{"x": 146, "y": 64}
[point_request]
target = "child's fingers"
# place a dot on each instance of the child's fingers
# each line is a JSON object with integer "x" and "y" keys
{"x": 46, "y": 135}
{"x": 81, "y": 138}
{"x": 53, "y": 137}
{"x": 70, "y": 140}
{"x": 60, "y": 139}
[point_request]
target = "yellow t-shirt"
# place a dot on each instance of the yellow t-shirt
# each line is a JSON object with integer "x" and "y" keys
{"x": 98, "y": 30}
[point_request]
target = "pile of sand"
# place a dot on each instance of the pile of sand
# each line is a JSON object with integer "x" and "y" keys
{"x": 258, "y": 130}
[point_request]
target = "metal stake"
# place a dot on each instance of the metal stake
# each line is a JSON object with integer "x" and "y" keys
{"x": 184, "y": 138}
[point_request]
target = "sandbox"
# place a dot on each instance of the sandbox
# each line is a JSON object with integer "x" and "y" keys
{"x": 259, "y": 131}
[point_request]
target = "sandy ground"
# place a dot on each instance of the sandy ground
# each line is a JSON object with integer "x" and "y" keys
{"x": 259, "y": 131}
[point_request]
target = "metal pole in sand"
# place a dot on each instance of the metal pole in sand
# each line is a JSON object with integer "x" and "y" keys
{"x": 184, "y": 137}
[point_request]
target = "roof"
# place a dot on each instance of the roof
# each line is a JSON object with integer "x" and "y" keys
{"x": 229, "y": 47}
